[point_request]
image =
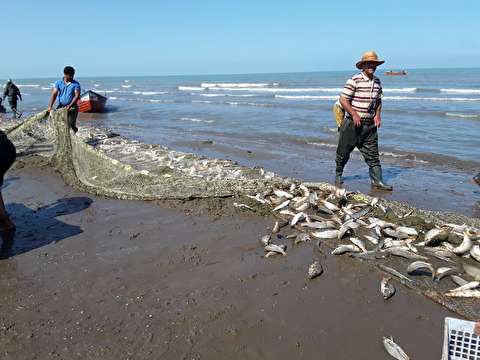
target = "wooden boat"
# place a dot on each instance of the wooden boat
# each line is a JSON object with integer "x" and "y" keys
{"x": 390, "y": 72}
{"x": 90, "y": 101}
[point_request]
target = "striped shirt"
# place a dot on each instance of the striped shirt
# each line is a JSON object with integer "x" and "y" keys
{"x": 360, "y": 91}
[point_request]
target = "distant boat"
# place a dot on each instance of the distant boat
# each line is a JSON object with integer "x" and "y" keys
{"x": 90, "y": 101}
{"x": 390, "y": 72}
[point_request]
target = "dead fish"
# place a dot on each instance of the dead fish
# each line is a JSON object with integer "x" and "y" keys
{"x": 271, "y": 253}
{"x": 313, "y": 198}
{"x": 372, "y": 239}
{"x": 434, "y": 236}
{"x": 394, "y": 243}
{"x": 284, "y": 194}
{"x": 301, "y": 237}
{"x": 258, "y": 198}
{"x": 325, "y": 210}
{"x": 293, "y": 187}
{"x": 394, "y": 350}
{"x": 329, "y": 205}
{"x": 394, "y": 272}
{"x": 475, "y": 252}
{"x": 359, "y": 243}
{"x": 471, "y": 270}
{"x": 304, "y": 190}
{"x": 374, "y": 201}
{"x": 342, "y": 249}
{"x": 394, "y": 233}
{"x": 327, "y": 234}
{"x": 468, "y": 286}
{"x": 319, "y": 218}
{"x": 441, "y": 254}
{"x": 458, "y": 280}
{"x": 445, "y": 271}
{"x": 374, "y": 222}
{"x": 409, "y": 243}
{"x": 315, "y": 269}
{"x": 406, "y": 214}
{"x": 303, "y": 207}
{"x": 242, "y": 206}
{"x": 282, "y": 205}
{"x": 457, "y": 228}
{"x": 265, "y": 240}
{"x": 297, "y": 218}
{"x": 386, "y": 288}
{"x": 281, "y": 249}
{"x": 407, "y": 254}
{"x": 360, "y": 213}
{"x": 465, "y": 294}
{"x": 465, "y": 246}
{"x": 287, "y": 212}
{"x": 340, "y": 192}
{"x": 347, "y": 227}
{"x": 276, "y": 227}
{"x": 320, "y": 225}
{"x": 420, "y": 265}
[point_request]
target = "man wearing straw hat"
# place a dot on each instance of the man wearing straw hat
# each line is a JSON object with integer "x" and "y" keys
{"x": 361, "y": 98}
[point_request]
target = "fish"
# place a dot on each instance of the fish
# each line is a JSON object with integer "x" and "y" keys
{"x": 458, "y": 280}
{"x": 271, "y": 253}
{"x": 293, "y": 187}
{"x": 315, "y": 269}
{"x": 360, "y": 213}
{"x": 303, "y": 207}
{"x": 441, "y": 254}
{"x": 276, "y": 227}
{"x": 465, "y": 293}
{"x": 319, "y": 218}
{"x": 258, "y": 198}
{"x": 468, "y": 286}
{"x": 324, "y": 210}
{"x": 420, "y": 265}
{"x": 475, "y": 252}
{"x": 330, "y": 206}
{"x": 297, "y": 218}
{"x": 434, "y": 236}
{"x": 304, "y": 190}
{"x": 265, "y": 240}
{"x": 459, "y": 229}
{"x": 282, "y": 205}
{"x": 407, "y": 214}
{"x": 374, "y": 222}
{"x": 389, "y": 242}
{"x": 386, "y": 288}
{"x": 342, "y": 249}
{"x": 394, "y": 272}
{"x": 465, "y": 246}
{"x": 313, "y": 198}
{"x": 347, "y": 227}
{"x": 394, "y": 350}
{"x": 471, "y": 270}
{"x": 301, "y": 237}
{"x": 242, "y": 206}
{"x": 374, "y": 201}
{"x": 407, "y": 254}
{"x": 284, "y": 194}
{"x": 287, "y": 212}
{"x": 359, "y": 243}
{"x": 442, "y": 272}
{"x": 372, "y": 239}
{"x": 320, "y": 225}
{"x": 281, "y": 249}
{"x": 395, "y": 233}
{"x": 327, "y": 234}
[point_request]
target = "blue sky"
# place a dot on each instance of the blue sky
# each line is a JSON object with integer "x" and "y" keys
{"x": 213, "y": 37}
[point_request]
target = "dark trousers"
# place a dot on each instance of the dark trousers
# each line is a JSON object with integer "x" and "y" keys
{"x": 13, "y": 105}
{"x": 364, "y": 137}
{"x": 71, "y": 116}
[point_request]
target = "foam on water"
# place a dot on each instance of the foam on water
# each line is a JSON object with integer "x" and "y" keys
{"x": 462, "y": 115}
{"x": 126, "y": 86}
{"x": 150, "y": 92}
{"x": 197, "y": 120}
{"x": 307, "y": 97}
{"x": 429, "y": 98}
{"x": 461, "y": 91}
{"x": 201, "y": 101}
{"x": 28, "y": 85}
{"x": 242, "y": 85}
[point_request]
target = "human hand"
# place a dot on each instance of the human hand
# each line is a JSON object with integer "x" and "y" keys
{"x": 49, "y": 109}
{"x": 357, "y": 120}
{"x": 68, "y": 107}
{"x": 378, "y": 121}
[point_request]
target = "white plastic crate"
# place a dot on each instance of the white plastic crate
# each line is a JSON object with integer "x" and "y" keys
{"x": 461, "y": 340}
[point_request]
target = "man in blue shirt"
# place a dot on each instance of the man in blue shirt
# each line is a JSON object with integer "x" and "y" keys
{"x": 68, "y": 92}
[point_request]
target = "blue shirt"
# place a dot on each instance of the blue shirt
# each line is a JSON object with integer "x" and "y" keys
{"x": 66, "y": 92}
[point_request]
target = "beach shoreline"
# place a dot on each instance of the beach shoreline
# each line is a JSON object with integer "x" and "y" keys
{"x": 103, "y": 278}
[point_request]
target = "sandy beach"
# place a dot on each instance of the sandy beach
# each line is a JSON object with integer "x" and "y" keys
{"x": 108, "y": 279}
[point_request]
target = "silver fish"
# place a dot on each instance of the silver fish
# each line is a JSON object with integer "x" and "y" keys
{"x": 271, "y": 253}
{"x": 342, "y": 249}
{"x": 315, "y": 269}
{"x": 284, "y": 194}
{"x": 381, "y": 223}
{"x": 372, "y": 239}
{"x": 434, "y": 236}
{"x": 258, "y": 198}
{"x": 475, "y": 252}
{"x": 304, "y": 190}
{"x": 471, "y": 270}
{"x": 242, "y": 206}
{"x": 281, "y": 249}
{"x": 445, "y": 271}
{"x": 327, "y": 234}
{"x": 458, "y": 280}
{"x": 407, "y": 214}
{"x": 320, "y": 225}
{"x": 465, "y": 246}
{"x": 276, "y": 227}
{"x": 297, "y": 218}
{"x": 441, "y": 254}
{"x": 329, "y": 205}
{"x": 374, "y": 201}
{"x": 287, "y": 212}
{"x": 386, "y": 288}
{"x": 465, "y": 293}
{"x": 301, "y": 237}
{"x": 313, "y": 198}
{"x": 420, "y": 265}
{"x": 293, "y": 187}
{"x": 394, "y": 350}
{"x": 396, "y": 251}
{"x": 282, "y": 205}
{"x": 468, "y": 286}
{"x": 359, "y": 243}
{"x": 360, "y": 213}
{"x": 265, "y": 240}
{"x": 347, "y": 227}
{"x": 325, "y": 210}
{"x": 303, "y": 207}
{"x": 394, "y": 272}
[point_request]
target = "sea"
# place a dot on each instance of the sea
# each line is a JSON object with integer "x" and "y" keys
{"x": 429, "y": 139}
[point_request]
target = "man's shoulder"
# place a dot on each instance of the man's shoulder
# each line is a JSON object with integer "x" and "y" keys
{"x": 75, "y": 82}
{"x": 357, "y": 77}
{"x": 58, "y": 83}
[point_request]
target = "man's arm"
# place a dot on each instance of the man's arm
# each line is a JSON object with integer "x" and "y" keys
{"x": 75, "y": 99}
{"x": 19, "y": 94}
{"x": 378, "y": 114}
{"x": 357, "y": 120}
{"x": 53, "y": 97}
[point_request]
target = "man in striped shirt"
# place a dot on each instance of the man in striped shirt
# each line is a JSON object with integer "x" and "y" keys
{"x": 362, "y": 99}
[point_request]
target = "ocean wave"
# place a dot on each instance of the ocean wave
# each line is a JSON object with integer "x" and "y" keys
{"x": 28, "y": 85}
{"x": 46, "y": 88}
{"x": 190, "y": 88}
{"x": 112, "y": 98}
{"x": 462, "y": 115}
{"x": 126, "y": 86}
{"x": 307, "y": 97}
{"x": 201, "y": 101}
{"x": 222, "y": 95}
{"x": 429, "y": 98}
{"x": 96, "y": 85}
{"x": 105, "y": 91}
{"x": 159, "y": 101}
{"x": 401, "y": 90}
{"x": 317, "y": 143}
{"x": 150, "y": 92}
{"x": 196, "y": 120}
{"x": 240, "y": 85}
{"x": 461, "y": 91}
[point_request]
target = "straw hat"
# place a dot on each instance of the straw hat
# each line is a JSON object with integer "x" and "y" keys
{"x": 369, "y": 56}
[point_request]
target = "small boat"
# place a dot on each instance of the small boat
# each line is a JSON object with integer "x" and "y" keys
{"x": 90, "y": 101}
{"x": 401, "y": 72}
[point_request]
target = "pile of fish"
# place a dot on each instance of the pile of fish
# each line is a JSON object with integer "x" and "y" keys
{"x": 356, "y": 228}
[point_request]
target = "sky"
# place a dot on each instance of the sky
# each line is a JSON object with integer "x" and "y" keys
{"x": 180, "y": 37}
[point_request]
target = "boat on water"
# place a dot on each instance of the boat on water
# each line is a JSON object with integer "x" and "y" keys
{"x": 92, "y": 102}
{"x": 391, "y": 72}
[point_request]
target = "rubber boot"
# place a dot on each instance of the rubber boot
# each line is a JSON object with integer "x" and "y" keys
{"x": 338, "y": 179}
{"x": 377, "y": 179}
{"x": 477, "y": 178}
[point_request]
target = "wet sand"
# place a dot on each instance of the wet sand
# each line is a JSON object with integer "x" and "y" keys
{"x": 95, "y": 278}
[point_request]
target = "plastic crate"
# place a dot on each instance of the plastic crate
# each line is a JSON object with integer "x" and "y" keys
{"x": 461, "y": 340}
